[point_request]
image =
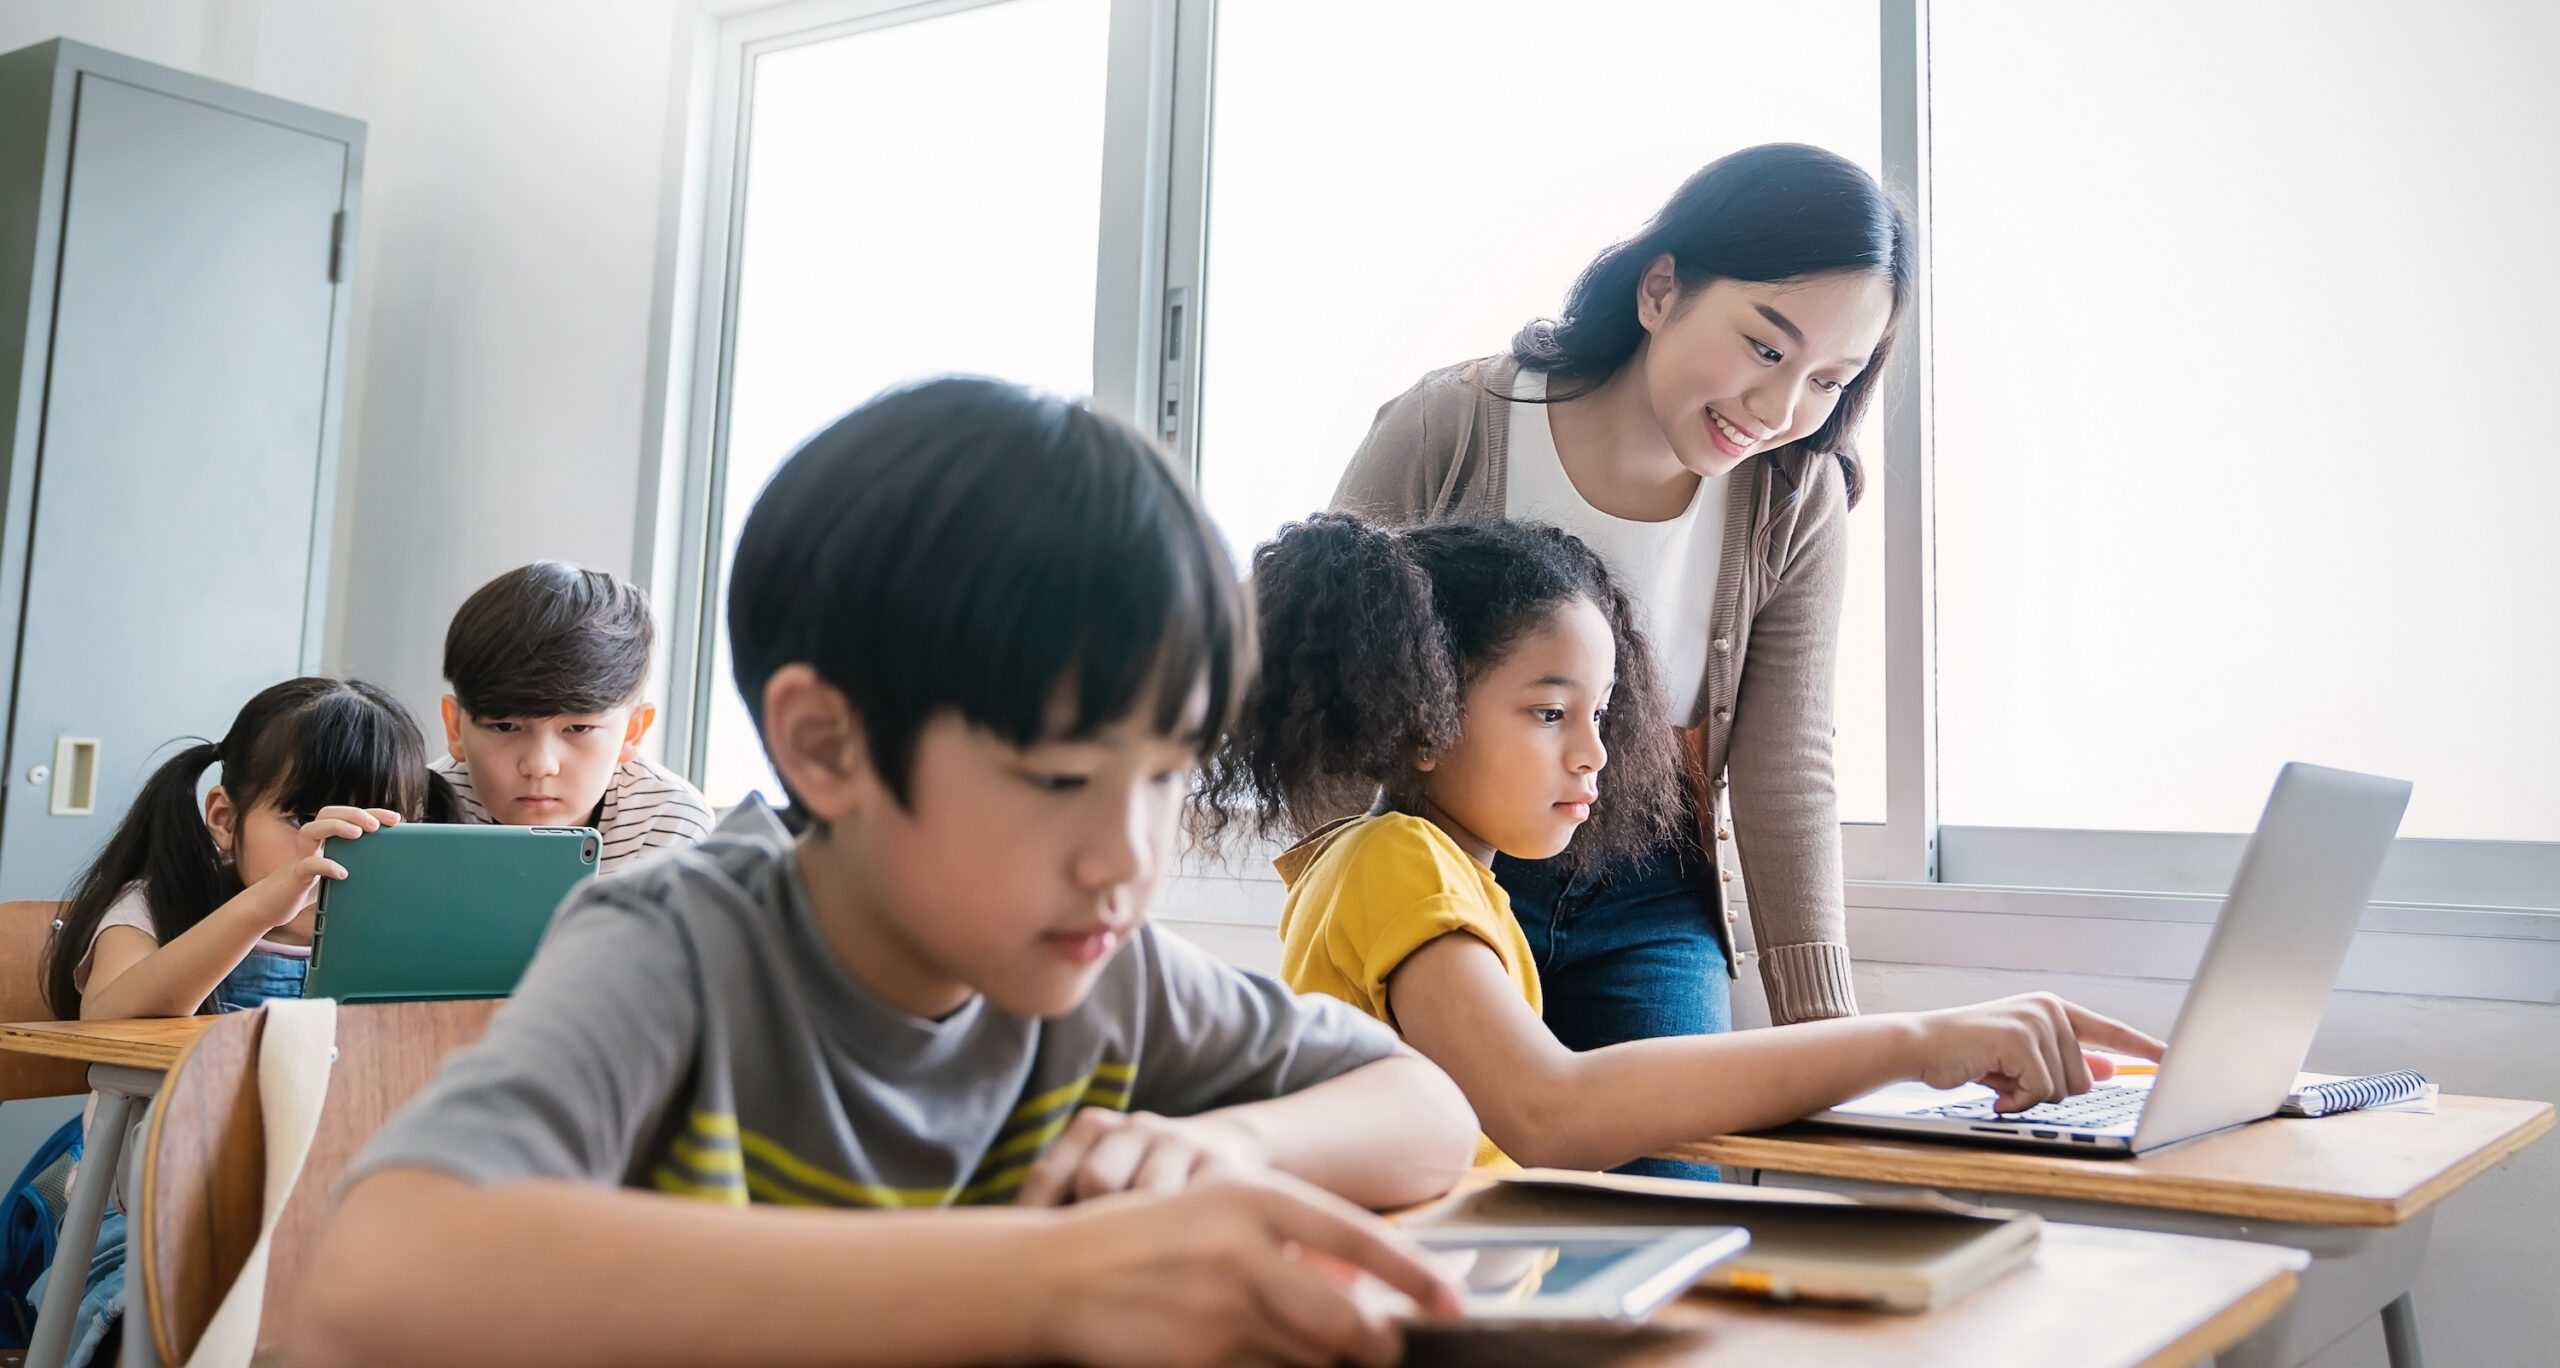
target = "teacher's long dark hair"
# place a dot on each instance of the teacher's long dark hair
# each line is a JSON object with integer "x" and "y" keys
{"x": 1779, "y": 211}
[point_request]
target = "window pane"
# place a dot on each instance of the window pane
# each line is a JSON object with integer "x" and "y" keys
{"x": 1395, "y": 188}
{"x": 2243, "y": 447}
{"x": 919, "y": 199}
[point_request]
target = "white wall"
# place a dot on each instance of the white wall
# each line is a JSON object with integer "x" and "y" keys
{"x": 191, "y": 35}
{"x": 509, "y": 254}
{"x": 504, "y": 269}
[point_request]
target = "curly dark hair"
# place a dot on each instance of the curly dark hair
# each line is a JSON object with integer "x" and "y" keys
{"x": 1369, "y": 639}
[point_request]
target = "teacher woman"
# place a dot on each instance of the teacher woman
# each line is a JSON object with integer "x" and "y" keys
{"x": 1689, "y": 417}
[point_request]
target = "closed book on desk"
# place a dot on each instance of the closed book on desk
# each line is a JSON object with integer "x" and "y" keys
{"x": 1897, "y": 1254}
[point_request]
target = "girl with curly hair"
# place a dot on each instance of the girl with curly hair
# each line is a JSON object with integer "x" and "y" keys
{"x": 1478, "y": 679}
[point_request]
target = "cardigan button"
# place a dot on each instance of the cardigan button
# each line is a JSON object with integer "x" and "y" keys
{"x": 1724, "y": 833}
{"x": 1728, "y": 876}
{"x": 1722, "y": 643}
{"x": 1719, "y": 781}
{"x": 1724, "y": 714}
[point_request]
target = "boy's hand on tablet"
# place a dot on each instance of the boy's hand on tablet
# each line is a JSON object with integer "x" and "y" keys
{"x": 1254, "y": 1272}
{"x": 1105, "y": 1151}
{"x": 2026, "y": 1048}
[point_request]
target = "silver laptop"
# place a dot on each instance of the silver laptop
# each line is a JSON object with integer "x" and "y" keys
{"x": 2250, "y": 1014}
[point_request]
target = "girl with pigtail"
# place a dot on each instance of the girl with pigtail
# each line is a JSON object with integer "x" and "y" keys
{"x": 194, "y": 907}
{"x": 1488, "y": 683}
{"x": 191, "y": 906}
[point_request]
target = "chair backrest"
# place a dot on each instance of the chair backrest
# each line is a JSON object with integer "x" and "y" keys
{"x": 204, "y": 1158}
{"x": 25, "y": 929}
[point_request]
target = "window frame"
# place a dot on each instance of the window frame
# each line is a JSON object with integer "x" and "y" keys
{"x": 1906, "y": 875}
{"x": 694, "y": 324}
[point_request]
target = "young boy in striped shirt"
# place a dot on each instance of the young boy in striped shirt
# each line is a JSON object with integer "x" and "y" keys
{"x": 544, "y": 724}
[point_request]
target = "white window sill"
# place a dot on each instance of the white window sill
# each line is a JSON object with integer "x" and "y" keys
{"x": 2503, "y": 954}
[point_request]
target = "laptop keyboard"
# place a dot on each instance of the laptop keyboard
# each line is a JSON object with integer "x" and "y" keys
{"x": 2108, "y": 1104}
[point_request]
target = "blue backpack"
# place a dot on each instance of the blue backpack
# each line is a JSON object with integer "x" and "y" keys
{"x": 30, "y": 1225}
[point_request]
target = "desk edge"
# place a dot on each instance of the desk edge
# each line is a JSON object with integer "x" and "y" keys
{"x": 2458, "y": 1176}
{"x": 93, "y": 1049}
{"x": 2230, "y": 1325}
{"x": 2240, "y": 1200}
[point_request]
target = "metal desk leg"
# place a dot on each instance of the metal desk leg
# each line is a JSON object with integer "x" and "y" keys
{"x": 101, "y": 1168}
{"x": 139, "y": 1351}
{"x": 2400, "y": 1332}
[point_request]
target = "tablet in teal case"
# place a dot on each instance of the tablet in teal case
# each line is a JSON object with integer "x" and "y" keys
{"x": 432, "y": 911}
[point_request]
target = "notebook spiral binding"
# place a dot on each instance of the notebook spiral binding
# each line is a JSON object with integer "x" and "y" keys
{"x": 2354, "y": 1094}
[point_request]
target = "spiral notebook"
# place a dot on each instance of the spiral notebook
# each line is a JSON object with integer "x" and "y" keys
{"x": 2317, "y": 1095}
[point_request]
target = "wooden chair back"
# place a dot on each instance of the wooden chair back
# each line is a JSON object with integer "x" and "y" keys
{"x": 204, "y": 1158}
{"x": 25, "y": 929}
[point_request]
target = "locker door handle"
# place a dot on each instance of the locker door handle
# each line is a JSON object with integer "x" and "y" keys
{"x": 75, "y": 777}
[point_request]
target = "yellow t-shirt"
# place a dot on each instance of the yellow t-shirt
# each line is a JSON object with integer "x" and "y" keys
{"x": 1366, "y": 892}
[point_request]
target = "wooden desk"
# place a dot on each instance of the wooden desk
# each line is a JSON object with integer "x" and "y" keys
{"x": 2356, "y": 1169}
{"x": 2355, "y": 1190}
{"x": 153, "y": 1044}
{"x": 2118, "y": 1299}
{"x": 126, "y": 1060}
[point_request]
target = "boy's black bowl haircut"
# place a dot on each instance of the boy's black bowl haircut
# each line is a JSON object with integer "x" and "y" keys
{"x": 974, "y": 545}
{"x": 549, "y": 640}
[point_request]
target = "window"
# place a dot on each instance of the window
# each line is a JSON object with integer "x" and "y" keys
{"x": 1373, "y": 216}
{"x": 917, "y": 199}
{"x": 2161, "y": 459}
{"x": 2242, "y": 432}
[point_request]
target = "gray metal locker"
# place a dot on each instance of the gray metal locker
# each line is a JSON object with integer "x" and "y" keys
{"x": 173, "y": 324}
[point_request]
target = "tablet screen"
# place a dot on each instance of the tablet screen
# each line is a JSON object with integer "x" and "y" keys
{"x": 1553, "y": 1273}
{"x": 1519, "y": 1270}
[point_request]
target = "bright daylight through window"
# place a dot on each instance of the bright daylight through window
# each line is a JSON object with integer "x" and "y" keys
{"x": 2243, "y": 443}
{"x": 2230, "y": 468}
{"x": 1395, "y": 188}
{"x": 920, "y": 198}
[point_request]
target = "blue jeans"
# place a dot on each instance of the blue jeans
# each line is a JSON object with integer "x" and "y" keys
{"x": 258, "y": 977}
{"x": 1628, "y": 951}
{"x": 102, "y": 1292}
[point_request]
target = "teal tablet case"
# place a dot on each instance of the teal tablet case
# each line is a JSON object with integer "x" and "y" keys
{"x": 431, "y": 911}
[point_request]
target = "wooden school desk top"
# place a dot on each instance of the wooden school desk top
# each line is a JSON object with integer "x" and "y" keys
{"x": 2376, "y": 1168}
{"x": 145, "y": 1044}
{"x": 2116, "y": 1298}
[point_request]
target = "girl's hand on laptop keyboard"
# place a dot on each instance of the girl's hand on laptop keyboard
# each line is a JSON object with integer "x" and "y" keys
{"x": 2026, "y": 1048}
{"x": 1105, "y": 1151}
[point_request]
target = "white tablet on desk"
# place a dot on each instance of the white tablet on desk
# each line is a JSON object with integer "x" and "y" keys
{"x": 1586, "y": 1275}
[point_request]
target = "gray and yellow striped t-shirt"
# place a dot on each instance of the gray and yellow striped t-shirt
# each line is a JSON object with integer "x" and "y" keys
{"x": 686, "y": 1028}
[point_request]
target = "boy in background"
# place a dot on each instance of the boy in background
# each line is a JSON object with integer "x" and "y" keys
{"x": 985, "y": 636}
{"x": 544, "y": 724}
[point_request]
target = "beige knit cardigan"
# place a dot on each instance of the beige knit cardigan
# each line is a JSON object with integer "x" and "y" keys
{"x": 1440, "y": 452}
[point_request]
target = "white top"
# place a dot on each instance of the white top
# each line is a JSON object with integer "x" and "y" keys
{"x": 645, "y": 808}
{"x": 1669, "y": 568}
{"x": 131, "y": 909}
